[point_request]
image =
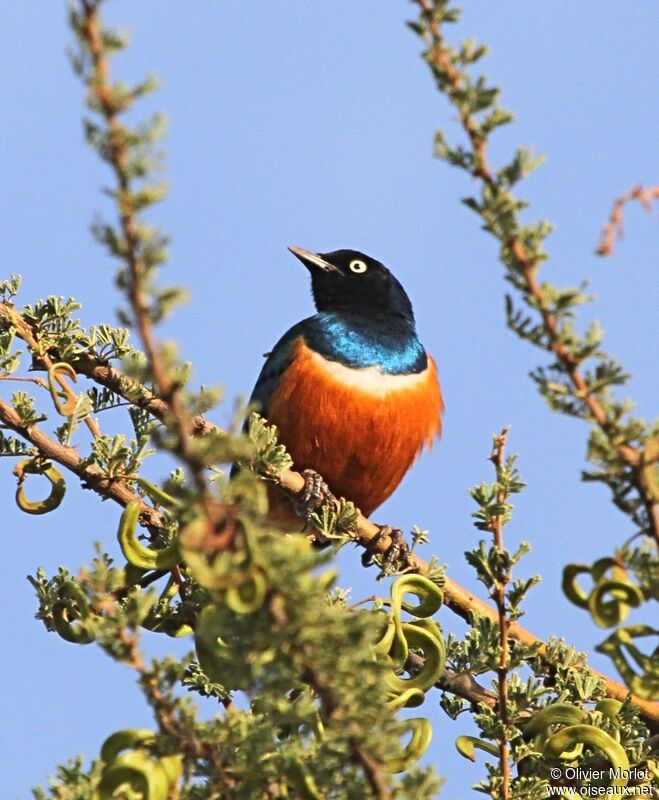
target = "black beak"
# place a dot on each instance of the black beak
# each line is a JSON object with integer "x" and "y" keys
{"x": 312, "y": 260}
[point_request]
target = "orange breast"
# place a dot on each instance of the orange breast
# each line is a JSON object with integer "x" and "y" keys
{"x": 359, "y": 428}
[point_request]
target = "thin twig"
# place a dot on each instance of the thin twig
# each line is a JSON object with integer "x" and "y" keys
{"x": 613, "y": 230}
{"x": 90, "y": 476}
{"x": 528, "y": 268}
{"x": 169, "y": 391}
{"x": 499, "y": 596}
{"x": 167, "y": 719}
{"x": 26, "y": 333}
{"x": 372, "y": 768}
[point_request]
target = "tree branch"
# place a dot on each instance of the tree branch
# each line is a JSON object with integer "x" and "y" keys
{"x": 458, "y": 599}
{"x": 527, "y": 268}
{"x": 91, "y": 478}
{"x": 169, "y": 390}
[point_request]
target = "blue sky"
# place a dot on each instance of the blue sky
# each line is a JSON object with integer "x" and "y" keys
{"x": 312, "y": 124}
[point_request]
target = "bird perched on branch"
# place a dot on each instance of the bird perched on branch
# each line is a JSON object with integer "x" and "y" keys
{"x": 351, "y": 389}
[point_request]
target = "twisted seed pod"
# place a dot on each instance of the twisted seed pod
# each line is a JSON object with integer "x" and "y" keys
{"x": 554, "y": 714}
{"x": 143, "y": 774}
{"x": 138, "y": 772}
{"x": 611, "y": 598}
{"x": 593, "y": 737}
{"x": 421, "y": 634}
{"x": 645, "y": 685}
{"x": 248, "y": 596}
{"x": 67, "y": 408}
{"x": 609, "y": 708}
{"x": 215, "y": 568}
{"x": 571, "y": 588}
{"x": 135, "y": 552}
{"x": 236, "y": 572}
{"x": 624, "y": 596}
{"x": 408, "y": 698}
{"x": 421, "y": 736}
{"x": 71, "y": 615}
{"x": 466, "y": 745}
{"x": 57, "y": 490}
{"x": 430, "y": 595}
{"x": 158, "y": 495}
{"x": 434, "y": 654}
{"x": 125, "y": 740}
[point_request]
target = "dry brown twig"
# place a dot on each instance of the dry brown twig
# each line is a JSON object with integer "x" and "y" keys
{"x": 614, "y": 231}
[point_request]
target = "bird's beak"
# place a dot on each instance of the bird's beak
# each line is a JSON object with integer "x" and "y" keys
{"x": 312, "y": 260}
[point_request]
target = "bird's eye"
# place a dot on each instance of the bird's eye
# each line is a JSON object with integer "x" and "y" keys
{"x": 358, "y": 266}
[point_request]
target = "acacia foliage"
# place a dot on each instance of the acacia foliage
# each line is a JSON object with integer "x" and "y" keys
{"x": 310, "y": 688}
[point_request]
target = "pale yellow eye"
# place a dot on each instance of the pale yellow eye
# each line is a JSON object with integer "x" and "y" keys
{"x": 357, "y": 266}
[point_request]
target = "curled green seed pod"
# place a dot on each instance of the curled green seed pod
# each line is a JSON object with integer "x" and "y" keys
{"x": 624, "y": 597}
{"x": 57, "y": 490}
{"x": 248, "y": 596}
{"x": 571, "y": 588}
{"x": 67, "y": 408}
{"x": 209, "y": 558}
{"x": 430, "y": 595}
{"x": 466, "y": 746}
{"x": 158, "y": 495}
{"x": 600, "y": 567}
{"x": 71, "y": 615}
{"x": 158, "y": 622}
{"x": 173, "y": 768}
{"x": 136, "y": 771}
{"x": 590, "y": 736}
{"x": 383, "y": 644}
{"x": 125, "y": 740}
{"x": 139, "y": 772}
{"x": 135, "y": 552}
{"x": 410, "y": 698}
{"x": 434, "y": 654}
{"x": 421, "y": 736}
{"x": 645, "y": 685}
{"x": 554, "y": 714}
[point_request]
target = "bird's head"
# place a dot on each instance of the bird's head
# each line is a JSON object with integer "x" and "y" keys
{"x": 347, "y": 280}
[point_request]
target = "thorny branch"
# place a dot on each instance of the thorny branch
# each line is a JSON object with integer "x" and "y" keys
{"x": 499, "y": 594}
{"x": 167, "y": 719}
{"x": 90, "y": 476}
{"x": 528, "y": 269}
{"x": 167, "y": 405}
{"x": 458, "y": 599}
{"x": 168, "y": 389}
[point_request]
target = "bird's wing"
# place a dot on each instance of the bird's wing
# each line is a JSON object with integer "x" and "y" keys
{"x": 275, "y": 366}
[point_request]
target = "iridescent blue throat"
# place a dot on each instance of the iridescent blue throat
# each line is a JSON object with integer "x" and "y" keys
{"x": 378, "y": 340}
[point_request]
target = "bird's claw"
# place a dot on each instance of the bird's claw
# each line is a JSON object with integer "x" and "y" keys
{"x": 397, "y": 553}
{"x": 314, "y": 494}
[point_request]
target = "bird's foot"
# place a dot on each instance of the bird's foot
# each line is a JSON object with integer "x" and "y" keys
{"x": 398, "y": 551}
{"x": 314, "y": 494}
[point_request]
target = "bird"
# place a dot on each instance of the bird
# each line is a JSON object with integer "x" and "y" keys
{"x": 352, "y": 391}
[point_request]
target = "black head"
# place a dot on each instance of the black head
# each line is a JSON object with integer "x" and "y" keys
{"x": 347, "y": 280}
